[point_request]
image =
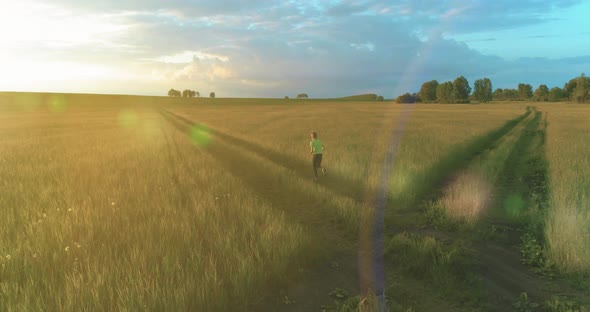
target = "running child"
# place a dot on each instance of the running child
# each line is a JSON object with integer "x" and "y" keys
{"x": 316, "y": 149}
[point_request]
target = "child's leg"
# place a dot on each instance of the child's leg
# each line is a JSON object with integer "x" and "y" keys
{"x": 315, "y": 165}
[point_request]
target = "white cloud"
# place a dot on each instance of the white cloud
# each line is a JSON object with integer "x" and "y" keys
{"x": 190, "y": 56}
{"x": 34, "y": 22}
{"x": 369, "y": 46}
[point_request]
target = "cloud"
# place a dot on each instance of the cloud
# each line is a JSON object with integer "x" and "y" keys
{"x": 269, "y": 48}
{"x": 199, "y": 71}
{"x": 182, "y": 8}
{"x": 346, "y": 8}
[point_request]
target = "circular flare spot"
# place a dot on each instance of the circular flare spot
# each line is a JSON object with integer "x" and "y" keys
{"x": 57, "y": 104}
{"x": 200, "y": 135}
{"x": 513, "y": 205}
{"x": 128, "y": 119}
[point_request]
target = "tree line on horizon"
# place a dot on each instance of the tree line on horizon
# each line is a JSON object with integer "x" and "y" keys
{"x": 187, "y": 93}
{"x": 459, "y": 91}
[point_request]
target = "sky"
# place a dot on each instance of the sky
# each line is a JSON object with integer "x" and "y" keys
{"x": 264, "y": 48}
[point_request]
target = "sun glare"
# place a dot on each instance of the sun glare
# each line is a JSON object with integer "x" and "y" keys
{"x": 29, "y": 21}
{"x": 27, "y": 24}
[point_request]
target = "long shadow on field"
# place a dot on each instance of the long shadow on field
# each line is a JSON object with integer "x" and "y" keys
{"x": 442, "y": 172}
{"x": 302, "y": 206}
{"x": 306, "y": 209}
{"x": 438, "y": 174}
{"x": 337, "y": 183}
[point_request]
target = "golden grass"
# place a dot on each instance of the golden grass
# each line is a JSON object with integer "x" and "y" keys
{"x": 568, "y": 217}
{"x": 113, "y": 219}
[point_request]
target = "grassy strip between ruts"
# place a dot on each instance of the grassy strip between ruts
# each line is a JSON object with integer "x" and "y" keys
{"x": 466, "y": 198}
{"x": 429, "y": 185}
{"x": 448, "y": 263}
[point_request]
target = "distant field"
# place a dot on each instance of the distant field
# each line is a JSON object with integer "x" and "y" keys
{"x": 151, "y": 203}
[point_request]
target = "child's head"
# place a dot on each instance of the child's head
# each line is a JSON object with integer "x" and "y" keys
{"x": 313, "y": 135}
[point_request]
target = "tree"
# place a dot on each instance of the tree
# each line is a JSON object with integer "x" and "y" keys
{"x": 510, "y": 94}
{"x": 556, "y": 94}
{"x": 581, "y": 93}
{"x": 286, "y": 97}
{"x": 498, "y": 94}
{"x": 198, "y": 94}
{"x": 212, "y": 95}
{"x": 569, "y": 88}
{"x": 482, "y": 90}
{"x": 406, "y": 98}
{"x": 461, "y": 90}
{"x": 525, "y": 91}
{"x": 189, "y": 93}
{"x": 445, "y": 92}
{"x": 427, "y": 92}
{"x": 380, "y": 98}
{"x": 541, "y": 93}
{"x": 173, "y": 92}
{"x": 302, "y": 96}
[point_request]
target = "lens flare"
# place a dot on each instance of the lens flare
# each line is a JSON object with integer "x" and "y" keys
{"x": 513, "y": 205}
{"x": 371, "y": 233}
{"x": 57, "y": 103}
{"x": 128, "y": 119}
{"x": 200, "y": 135}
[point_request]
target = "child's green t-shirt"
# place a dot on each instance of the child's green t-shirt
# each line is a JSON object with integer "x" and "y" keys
{"x": 316, "y": 145}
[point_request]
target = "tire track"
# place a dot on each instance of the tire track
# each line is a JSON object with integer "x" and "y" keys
{"x": 524, "y": 177}
{"x": 309, "y": 280}
{"x": 445, "y": 172}
{"x": 498, "y": 263}
{"x": 335, "y": 182}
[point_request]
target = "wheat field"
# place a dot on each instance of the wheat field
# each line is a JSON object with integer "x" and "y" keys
{"x": 119, "y": 203}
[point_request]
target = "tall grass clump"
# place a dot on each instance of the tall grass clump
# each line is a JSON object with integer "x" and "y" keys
{"x": 567, "y": 231}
